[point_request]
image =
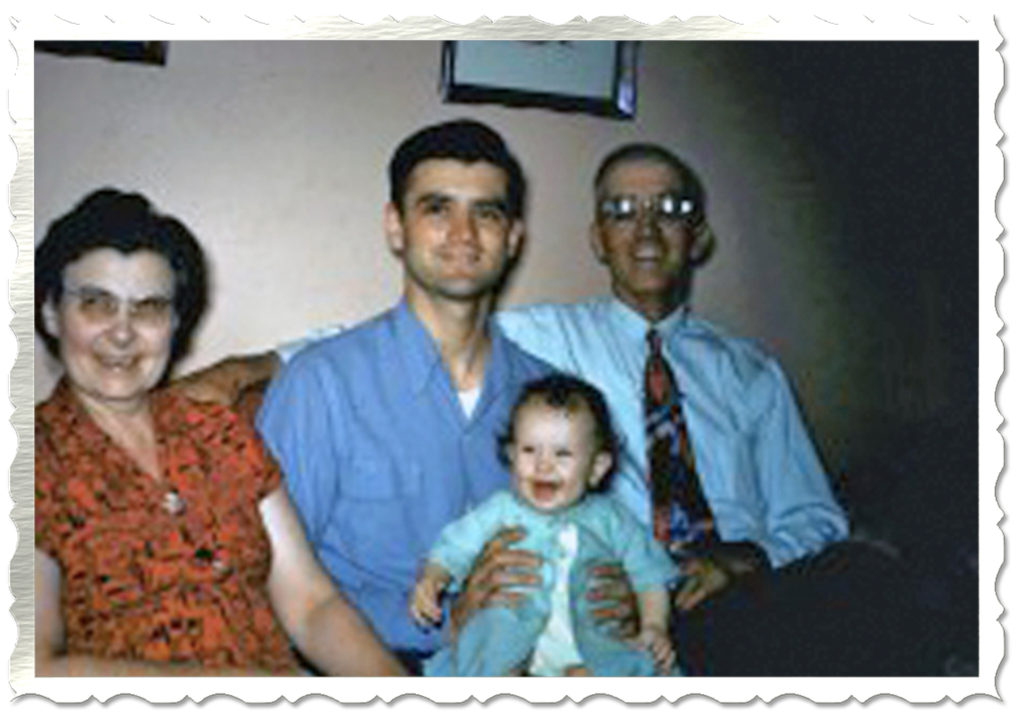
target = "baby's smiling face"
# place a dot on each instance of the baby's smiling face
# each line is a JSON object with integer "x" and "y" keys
{"x": 554, "y": 455}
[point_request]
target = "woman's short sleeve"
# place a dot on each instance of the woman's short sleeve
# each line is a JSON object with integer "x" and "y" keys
{"x": 264, "y": 470}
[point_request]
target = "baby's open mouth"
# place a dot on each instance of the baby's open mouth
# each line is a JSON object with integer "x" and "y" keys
{"x": 545, "y": 490}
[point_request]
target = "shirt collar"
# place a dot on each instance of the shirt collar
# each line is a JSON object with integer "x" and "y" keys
{"x": 416, "y": 347}
{"x": 63, "y": 402}
{"x": 66, "y": 409}
{"x": 422, "y": 357}
{"x": 635, "y": 325}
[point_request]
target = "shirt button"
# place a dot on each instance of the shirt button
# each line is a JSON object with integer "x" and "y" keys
{"x": 173, "y": 503}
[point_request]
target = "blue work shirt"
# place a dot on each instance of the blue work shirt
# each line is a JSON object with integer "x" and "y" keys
{"x": 379, "y": 456}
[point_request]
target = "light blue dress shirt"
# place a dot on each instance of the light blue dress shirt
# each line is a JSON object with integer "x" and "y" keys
{"x": 379, "y": 456}
{"x": 759, "y": 470}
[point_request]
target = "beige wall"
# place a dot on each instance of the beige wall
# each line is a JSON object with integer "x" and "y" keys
{"x": 274, "y": 155}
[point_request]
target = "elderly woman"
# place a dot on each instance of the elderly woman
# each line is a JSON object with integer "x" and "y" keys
{"x": 165, "y": 544}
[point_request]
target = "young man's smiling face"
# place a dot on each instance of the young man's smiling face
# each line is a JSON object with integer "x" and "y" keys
{"x": 554, "y": 455}
{"x": 454, "y": 232}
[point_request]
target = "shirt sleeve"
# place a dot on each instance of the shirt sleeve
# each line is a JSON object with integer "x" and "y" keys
{"x": 802, "y": 514}
{"x": 643, "y": 558}
{"x": 299, "y": 421}
{"x": 462, "y": 540}
{"x": 247, "y": 463}
{"x": 538, "y": 330}
{"x": 265, "y": 468}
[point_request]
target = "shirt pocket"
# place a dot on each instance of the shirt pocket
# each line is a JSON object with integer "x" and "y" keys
{"x": 380, "y": 507}
{"x": 379, "y": 479}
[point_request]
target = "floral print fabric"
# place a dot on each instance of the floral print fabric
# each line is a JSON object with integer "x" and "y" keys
{"x": 170, "y": 568}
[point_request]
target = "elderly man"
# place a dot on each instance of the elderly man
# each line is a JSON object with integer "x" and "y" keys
{"x": 716, "y": 457}
{"x": 739, "y": 445}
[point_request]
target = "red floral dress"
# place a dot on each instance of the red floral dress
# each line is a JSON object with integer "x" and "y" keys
{"x": 168, "y": 569}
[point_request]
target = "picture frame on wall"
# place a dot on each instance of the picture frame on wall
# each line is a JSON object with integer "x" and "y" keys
{"x": 595, "y": 77}
{"x": 149, "y": 53}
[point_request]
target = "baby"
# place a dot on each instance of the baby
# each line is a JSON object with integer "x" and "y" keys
{"x": 560, "y": 448}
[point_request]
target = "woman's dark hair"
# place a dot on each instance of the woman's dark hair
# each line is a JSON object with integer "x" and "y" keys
{"x": 562, "y": 391}
{"x": 464, "y": 140}
{"x": 111, "y": 219}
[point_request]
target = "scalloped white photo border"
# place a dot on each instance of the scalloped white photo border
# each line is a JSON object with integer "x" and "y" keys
{"x": 836, "y": 26}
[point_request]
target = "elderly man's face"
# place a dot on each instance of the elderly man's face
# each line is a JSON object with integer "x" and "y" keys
{"x": 454, "y": 232}
{"x": 646, "y": 253}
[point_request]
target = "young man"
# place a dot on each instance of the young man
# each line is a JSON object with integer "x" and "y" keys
{"x": 387, "y": 432}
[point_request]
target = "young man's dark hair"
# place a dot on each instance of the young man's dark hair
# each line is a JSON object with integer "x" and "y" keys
{"x": 463, "y": 140}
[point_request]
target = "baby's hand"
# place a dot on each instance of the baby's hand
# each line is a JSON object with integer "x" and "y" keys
{"x": 656, "y": 640}
{"x": 424, "y": 605}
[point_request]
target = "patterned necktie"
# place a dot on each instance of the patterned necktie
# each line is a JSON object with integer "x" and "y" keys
{"x": 682, "y": 519}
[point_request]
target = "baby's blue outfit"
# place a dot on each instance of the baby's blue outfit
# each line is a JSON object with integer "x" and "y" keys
{"x": 500, "y": 638}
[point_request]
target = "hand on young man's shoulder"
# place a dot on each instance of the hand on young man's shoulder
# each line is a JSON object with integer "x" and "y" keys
{"x": 227, "y": 381}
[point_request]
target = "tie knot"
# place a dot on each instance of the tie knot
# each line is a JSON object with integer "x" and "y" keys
{"x": 654, "y": 341}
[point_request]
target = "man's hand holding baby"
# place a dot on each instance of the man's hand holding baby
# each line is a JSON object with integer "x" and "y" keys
{"x": 612, "y": 598}
{"x": 501, "y": 572}
{"x": 498, "y": 576}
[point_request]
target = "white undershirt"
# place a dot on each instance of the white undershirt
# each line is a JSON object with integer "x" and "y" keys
{"x": 468, "y": 399}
